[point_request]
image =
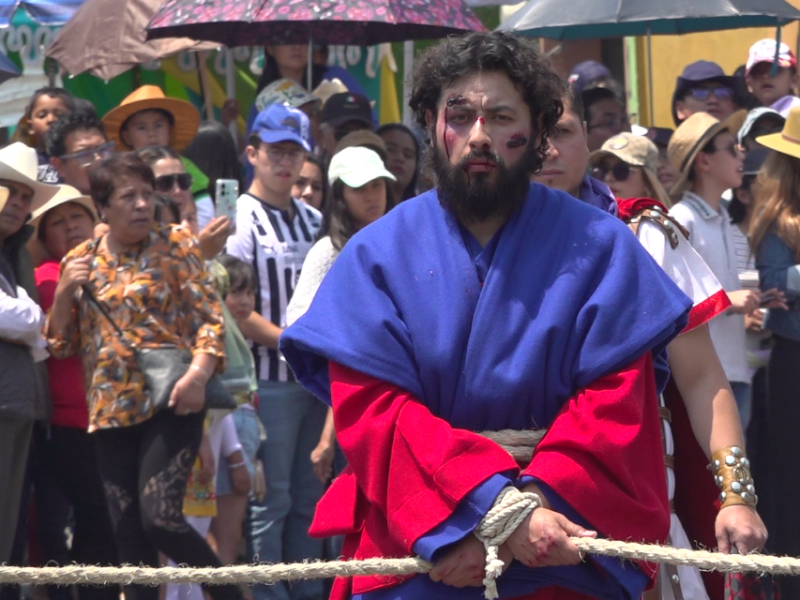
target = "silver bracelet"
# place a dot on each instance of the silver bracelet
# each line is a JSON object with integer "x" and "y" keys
{"x": 237, "y": 465}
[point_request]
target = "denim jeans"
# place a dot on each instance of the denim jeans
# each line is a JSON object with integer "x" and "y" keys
{"x": 741, "y": 393}
{"x": 278, "y": 527}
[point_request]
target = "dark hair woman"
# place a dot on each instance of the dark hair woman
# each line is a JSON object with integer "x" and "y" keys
{"x": 359, "y": 195}
{"x": 151, "y": 280}
{"x": 173, "y": 180}
{"x": 312, "y": 185}
{"x": 405, "y": 156}
{"x": 214, "y": 152}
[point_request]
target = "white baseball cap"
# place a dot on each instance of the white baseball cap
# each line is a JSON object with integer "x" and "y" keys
{"x": 768, "y": 51}
{"x": 357, "y": 166}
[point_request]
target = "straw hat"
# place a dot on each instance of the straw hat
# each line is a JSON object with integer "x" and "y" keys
{"x": 19, "y": 163}
{"x": 66, "y": 193}
{"x": 185, "y": 117}
{"x": 788, "y": 140}
{"x": 691, "y": 137}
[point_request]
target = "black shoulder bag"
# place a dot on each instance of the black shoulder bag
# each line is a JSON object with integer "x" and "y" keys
{"x": 163, "y": 367}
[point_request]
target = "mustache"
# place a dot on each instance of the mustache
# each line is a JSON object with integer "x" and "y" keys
{"x": 486, "y": 155}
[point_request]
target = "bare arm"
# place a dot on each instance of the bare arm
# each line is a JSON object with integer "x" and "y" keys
{"x": 702, "y": 383}
{"x": 261, "y": 331}
{"x": 716, "y": 425}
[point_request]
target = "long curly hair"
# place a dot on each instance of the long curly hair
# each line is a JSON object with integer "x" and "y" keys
{"x": 778, "y": 204}
{"x": 540, "y": 86}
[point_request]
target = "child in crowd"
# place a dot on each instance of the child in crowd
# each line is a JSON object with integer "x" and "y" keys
{"x": 239, "y": 476}
{"x": 45, "y": 107}
{"x": 774, "y": 87}
{"x": 146, "y": 117}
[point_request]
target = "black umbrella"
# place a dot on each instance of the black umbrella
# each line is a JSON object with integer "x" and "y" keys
{"x": 617, "y": 18}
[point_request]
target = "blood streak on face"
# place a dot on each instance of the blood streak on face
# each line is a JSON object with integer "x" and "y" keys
{"x": 451, "y": 102}
{"x": 481, "y": 120}
{"x": 518, "y": 140}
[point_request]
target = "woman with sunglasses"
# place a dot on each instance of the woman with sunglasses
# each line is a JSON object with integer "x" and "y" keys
{"x": 172, "y": 180}
{"x": 700, "y": 402}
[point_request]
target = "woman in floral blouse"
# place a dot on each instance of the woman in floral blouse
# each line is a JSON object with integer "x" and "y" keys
{"x": 151, "y": 279}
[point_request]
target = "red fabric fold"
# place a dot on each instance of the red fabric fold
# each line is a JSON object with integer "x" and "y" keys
{"x": 409, "y": 469}
{"x": 627, "y": 209}
{"x": 603, "y": 455}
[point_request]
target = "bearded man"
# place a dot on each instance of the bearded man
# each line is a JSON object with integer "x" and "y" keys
{"x": 491, "y": 303}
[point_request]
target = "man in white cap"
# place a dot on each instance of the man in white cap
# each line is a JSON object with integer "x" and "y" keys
{"x": 23, "y": 391}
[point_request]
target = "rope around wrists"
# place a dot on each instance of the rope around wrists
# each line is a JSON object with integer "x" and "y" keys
{"x": 509, "y": 510}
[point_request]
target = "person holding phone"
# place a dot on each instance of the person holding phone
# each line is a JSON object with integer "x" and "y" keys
{"x": 274, "y": 233}
{"x": 174, "y": 181}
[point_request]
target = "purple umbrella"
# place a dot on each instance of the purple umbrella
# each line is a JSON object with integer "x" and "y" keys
{"x": 346, "y": 22}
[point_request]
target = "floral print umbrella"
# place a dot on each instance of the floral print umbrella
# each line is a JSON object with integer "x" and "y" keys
{"x": 349, "y": 22}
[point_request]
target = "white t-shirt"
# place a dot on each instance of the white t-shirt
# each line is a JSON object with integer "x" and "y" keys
{"x": 276, "y": 245}
{"x": 711, "y": 235}
{"x": 317, "y": 264}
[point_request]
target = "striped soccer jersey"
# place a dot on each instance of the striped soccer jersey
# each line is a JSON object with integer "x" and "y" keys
{"x": 275, "y": 244}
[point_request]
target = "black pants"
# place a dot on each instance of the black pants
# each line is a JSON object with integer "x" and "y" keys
{"x": 783, "y": 384}
{"x": 68, "y": 456}
{"x": 144, "y": 469}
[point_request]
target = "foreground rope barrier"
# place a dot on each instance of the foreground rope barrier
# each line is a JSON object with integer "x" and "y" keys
{"x": 79, "y": 574}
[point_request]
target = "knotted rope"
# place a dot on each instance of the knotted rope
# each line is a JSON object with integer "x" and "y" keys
{"x": 509, "y": 510}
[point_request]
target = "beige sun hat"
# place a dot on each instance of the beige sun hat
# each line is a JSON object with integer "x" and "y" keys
{"x": 638, "y": 151}
{"x": 65, "y": 194}
{"x": 691, "y": 137}
{"x": 19, "y": 163}
{"x": 185, "y": 117}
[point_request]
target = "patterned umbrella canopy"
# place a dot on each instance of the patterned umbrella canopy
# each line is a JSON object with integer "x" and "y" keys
{"x": 350, "y": 22}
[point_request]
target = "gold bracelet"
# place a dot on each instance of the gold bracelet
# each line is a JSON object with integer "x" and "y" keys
{"x": 731, "y": 471}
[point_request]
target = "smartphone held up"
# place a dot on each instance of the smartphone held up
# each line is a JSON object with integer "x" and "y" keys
{"x": 227, "y": 193}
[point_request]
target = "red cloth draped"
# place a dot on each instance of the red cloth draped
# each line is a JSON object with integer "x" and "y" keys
{"x": 409, "y": 469}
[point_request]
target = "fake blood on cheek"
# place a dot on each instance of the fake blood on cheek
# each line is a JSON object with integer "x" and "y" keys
{"x": 518, "y": 140}
{"x": 451, "y": 102}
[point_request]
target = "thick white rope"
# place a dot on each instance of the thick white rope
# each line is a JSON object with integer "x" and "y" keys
{"x": 251, "y": 574}
{"x": 509, "y": 510}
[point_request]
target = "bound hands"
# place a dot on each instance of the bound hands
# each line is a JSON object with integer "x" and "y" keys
{"x": 740, "y": 527}
{"x": 541, "y": 540}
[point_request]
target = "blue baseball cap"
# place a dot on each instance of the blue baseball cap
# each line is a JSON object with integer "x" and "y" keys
{"x": 282, "y": 123}
{"x": 698, "y": 71}
{"x": 586, "y": 72}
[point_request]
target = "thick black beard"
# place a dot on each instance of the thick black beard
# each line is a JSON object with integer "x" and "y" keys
{"x": 472, "y": 199}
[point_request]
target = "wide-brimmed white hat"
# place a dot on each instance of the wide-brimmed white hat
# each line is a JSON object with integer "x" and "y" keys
{"x": 19, "y": 163}
{"x": 357, "y": 166}
{"x": 66, "y": 193}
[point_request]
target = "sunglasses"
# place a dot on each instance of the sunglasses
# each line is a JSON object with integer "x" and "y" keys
{"x": 621, "y": 171}
{"x": 166, "y": 183}
{"x": 720, "y": 93}
{"x": 733, "y": 149}
{"x": 89, "y": 156}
